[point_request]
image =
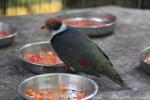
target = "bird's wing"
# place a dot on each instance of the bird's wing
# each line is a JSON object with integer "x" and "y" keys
{"x": 103, "y": 52}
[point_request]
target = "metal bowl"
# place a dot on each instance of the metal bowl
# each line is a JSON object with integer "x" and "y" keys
{"x": 39, "y": 68}
{"x": 107, "y": 28}
{"x": 142, "y": 56}
{"x": 6, "y": 40}
{"x": 75, "y": 82}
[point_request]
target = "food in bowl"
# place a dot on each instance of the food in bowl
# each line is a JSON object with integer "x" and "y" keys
{"x": 147, "y": 58}
{"x": 42, "y": 57}
{"x": 68, "y": 85}
{"x": 59, "y": 93}
{"x": 7, "y": 34}
{"x": 39, "y": 57}
{"x": 90, "y": 23}
{"x": 144, "y": 57}
{"x": 84, "y": 22}
{"x": 3, "y": 34}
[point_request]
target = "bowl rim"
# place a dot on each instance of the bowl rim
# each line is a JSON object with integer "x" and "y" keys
{"x": 53, "y": 74}
{"x": 9, "y": 35}
{"x": 92, "y": 17}
{"x": 36, "y": 43}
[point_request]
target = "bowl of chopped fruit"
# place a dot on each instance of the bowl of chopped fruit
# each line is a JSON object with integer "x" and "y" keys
{"x": 58, "y": 86}
{"x": 7, "y": 34}
{"x": 39, "y": 57}
{"x": 144, "y": 56}
{"x": 90, "y": 23}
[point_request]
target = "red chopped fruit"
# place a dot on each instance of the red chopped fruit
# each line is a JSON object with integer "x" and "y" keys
{"x": 3, "y": 33}
{"x": 84, "y": 23}
{"x": 147, "y": 60}
{"x": 60, "y": 93}
{"x": 30, "y": 92}
{"x": 80, "y": 95}
{"x": 63, "y": 89}
{"x": 38, "y": 97}
{"x": 146, "y": 57}
{"x": 42, "y": 58}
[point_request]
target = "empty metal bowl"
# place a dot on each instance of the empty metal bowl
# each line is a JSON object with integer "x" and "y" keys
{"x": 8, "y": 39}
{"x": 143, "y": 55}
{"x": 75, "y": 82}
{"x": 39, "y": 68}
{"x": 108, "y": 27}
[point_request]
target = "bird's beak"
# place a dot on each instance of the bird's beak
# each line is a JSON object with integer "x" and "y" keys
{"x": 43, "y": 26}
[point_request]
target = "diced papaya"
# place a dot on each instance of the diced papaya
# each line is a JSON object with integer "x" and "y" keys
{"x": 80, "y": 95}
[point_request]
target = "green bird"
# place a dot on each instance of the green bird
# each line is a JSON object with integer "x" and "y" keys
{"x": 79, "y": 52}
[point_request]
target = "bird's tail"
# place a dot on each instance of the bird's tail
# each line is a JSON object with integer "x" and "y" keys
{"x": 114, "y": 76}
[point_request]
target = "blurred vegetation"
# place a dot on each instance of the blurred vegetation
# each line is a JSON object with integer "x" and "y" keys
{"x": 23, "y": 7}
{"x": 93, "y": 3}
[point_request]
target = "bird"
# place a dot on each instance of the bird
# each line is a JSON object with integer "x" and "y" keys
{"x": 79, "y": 52}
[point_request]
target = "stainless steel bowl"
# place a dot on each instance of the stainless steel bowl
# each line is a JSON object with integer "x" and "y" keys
{"x": 70, "y": 81}
{"x": 39, "y": 68}
{"x": 6, "y": 40}
{"x": 107, "y": 28}
{"x": 142, "y": 56}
